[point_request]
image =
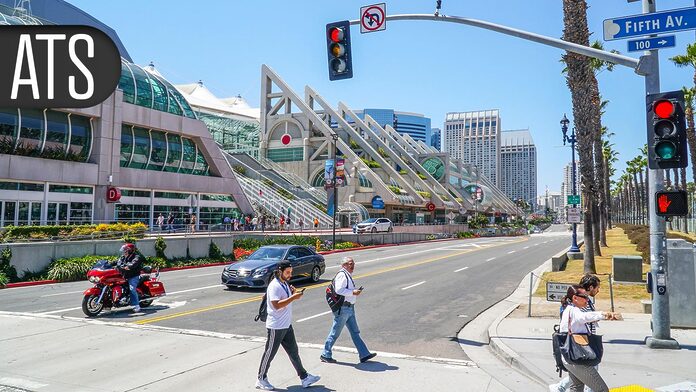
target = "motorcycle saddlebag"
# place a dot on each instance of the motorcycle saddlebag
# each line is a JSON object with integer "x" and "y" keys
{"x": 155, "y": 288}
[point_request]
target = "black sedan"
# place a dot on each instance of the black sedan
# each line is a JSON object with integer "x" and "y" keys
{"x": 257, "y": 270}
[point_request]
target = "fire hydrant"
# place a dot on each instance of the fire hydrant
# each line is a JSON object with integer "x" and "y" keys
{"x": 318, "y": 245}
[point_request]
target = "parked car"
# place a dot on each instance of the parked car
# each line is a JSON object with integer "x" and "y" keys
{"x": 374, "y": 225}
{"x": 257, "y": 269}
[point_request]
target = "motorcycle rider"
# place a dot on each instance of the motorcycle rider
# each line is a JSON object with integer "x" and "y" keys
{"x": 130, "y": 264}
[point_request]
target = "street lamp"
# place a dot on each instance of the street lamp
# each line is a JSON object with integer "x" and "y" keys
{"x": 571, "y": 139}
{"x": 334, "y": 136}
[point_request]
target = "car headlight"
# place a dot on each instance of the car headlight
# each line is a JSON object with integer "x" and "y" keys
{"x": 94, "y": 279}
{"x": 260, "y": 273}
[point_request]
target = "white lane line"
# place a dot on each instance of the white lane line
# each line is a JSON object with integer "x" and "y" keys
{"x": 196, "y": 289}
{"x": 413, "y": 285}
{"x": 311, "y": 317}
{"x": 69, "y": 292}
{"x": 196, "y": 276}
{"x": 388, "y": 257}
{"x": 61, "y": 310}
{"x": 526, "y": 247}
{"x": 461, "y": 269}
{"x": 511, "y": 252}
{"x": 492, "y": 258}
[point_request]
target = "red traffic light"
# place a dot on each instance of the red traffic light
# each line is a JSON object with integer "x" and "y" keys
{"x": 336, "y": 34}
{"x": 663, "y": 108}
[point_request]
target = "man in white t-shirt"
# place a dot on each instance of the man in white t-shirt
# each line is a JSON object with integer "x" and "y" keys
{"x": 345, "y": 316}
{"x": 279, "y": 298}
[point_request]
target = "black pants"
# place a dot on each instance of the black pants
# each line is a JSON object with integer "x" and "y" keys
{"x": 286, "y": 338}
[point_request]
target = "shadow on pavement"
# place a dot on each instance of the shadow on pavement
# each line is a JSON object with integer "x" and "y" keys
{"x": 371, "y": 366}
{"x": 313, "y": 388}
{"x": 468, "y": 342}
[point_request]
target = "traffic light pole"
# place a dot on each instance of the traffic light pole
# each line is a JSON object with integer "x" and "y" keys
{"x": 648, "y": 67}
{"x": 658, "y": 240}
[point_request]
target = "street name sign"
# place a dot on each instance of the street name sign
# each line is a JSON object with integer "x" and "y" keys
{"x": 639, "y": 45}
{"x": 573, "y": 210}
{"x": 653, "y": 23}
{"x": 555, "y": 291}
{"x": 373, "y": 18}
{"x": 573, "y": 199}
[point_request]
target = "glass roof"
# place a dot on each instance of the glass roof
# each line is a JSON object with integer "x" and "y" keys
{"x": 144, "y": 88}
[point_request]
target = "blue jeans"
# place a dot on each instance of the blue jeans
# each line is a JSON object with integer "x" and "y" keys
{"x": 133, "y": 286}
{"x": 347, "y": 319}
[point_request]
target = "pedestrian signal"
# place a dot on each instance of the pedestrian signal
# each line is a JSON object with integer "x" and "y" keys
{"x": 671, "y": 203}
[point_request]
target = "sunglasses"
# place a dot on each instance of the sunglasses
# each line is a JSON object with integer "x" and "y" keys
{"x": 585, "y": 296}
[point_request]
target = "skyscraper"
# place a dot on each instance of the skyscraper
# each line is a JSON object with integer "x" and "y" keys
{"x": 413, "y": 124}
{"x": 435, "y": 139}
{"x": 474, "y": 137}
{"x": 518, "y": 165}
{"x": 566, "y": 185}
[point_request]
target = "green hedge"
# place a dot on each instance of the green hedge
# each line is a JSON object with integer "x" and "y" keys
{"x": 253, "y": 243}
{"x": 3, "y": 280}
{"x": 40, "y": 232}
{"x": 74, "y": 268}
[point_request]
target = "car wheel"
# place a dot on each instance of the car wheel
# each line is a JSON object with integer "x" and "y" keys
{"x": 316, "y": 274}
{"x": 390, "y": 229}
{"x": 374, "y": 230}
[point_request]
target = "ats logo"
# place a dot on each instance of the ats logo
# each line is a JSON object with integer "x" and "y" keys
{"x": 57, "y": 66}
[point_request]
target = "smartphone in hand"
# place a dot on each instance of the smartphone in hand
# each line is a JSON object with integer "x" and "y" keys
{"x": 302, "y": 290}
{"x": 361, "y": 288}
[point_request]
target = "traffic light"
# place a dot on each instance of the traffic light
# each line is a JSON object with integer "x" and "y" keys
{"x": 674, "y": 203}
{"x": 666, "y": 130}
{"x": 338, "y": 50}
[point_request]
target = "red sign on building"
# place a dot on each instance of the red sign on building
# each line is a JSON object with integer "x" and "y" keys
{"x": 113, "y": 194}
{"x": 430, "y": 207}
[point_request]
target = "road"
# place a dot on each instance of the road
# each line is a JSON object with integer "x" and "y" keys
{"x": 416, "y": 298}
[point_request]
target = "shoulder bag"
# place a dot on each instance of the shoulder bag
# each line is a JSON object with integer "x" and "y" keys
{"x": 582, "y": 348}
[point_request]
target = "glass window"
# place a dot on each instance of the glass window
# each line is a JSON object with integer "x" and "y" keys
{"x": 133, "y": 213}
{"x": 9, "y": 120}
{"x": 319, "y": 180}
{"x": 80, "y": 212}
{"x": 9, "y": 213}
{"x": 286, "y": 154}
{"x": 174, "y": 106}
{"x": 201, "y": 167}
{"x": 31, "y": 132}
{"x": 215, "y": 215}
{"x": 144, "y": 91}
{"x": 217, "y": 197}
{"x": 57, "y": 130}
{"x": 141, "y": 153}
{"x": 30, "y": 187}
{"x": 158, "y": 152}
{"x": 189, "y": 156}
{"x": 88, "y": 190}
{"x": 161, "y": 95}
{"x": 126, "y": 144}
{"x": 174, "y": 156}
{"x": 134, "y": 193}
{"x": 126, "y": 83}
{"x": 80, "y": 137}
{"x": 172, "y": 195}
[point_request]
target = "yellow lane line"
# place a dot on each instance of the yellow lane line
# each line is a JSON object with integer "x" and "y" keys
{"x": 314, "y": 286}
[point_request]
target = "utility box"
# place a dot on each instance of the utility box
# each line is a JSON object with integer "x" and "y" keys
{"x": 681, "y": 283}
{"x": 627, "y": 268}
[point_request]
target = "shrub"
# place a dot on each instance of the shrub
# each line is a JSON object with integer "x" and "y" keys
{"x": 157, "y": 262}
{"x": 395, "y": 189}
{"x": 6, "y": 268}
{"x": 160, "y": 246}
{"x": 347, "y": 245}
{"x": 421, "y": 176}
{"x": 42, "y": 232}
{"x": 73, "y": 268}
{"x": 239, "y": 170}
{"x": 466, "y": 234}
{"x": 214, "y": 251}
{"x": 129, "y": 239}
{"x": 3, "y": 280}
{"x": 424, "y": 194}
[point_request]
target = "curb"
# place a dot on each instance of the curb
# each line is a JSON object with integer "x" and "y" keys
{"x": 31, "y": 283}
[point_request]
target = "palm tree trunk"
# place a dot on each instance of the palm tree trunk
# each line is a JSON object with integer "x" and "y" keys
{"x": 580, "y": 80}
{"x": 596, "y": 229}
{"x": 691, "y": 138}
{"x": 607, "y": 196}
{"x": 685, "y": 228}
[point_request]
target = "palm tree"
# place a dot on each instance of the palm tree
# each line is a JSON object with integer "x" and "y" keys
{"x": 610, "y": 157}
{"x": 582, "y": 84}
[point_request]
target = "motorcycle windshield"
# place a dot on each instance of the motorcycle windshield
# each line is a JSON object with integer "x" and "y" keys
{"x": 102, "y": 264}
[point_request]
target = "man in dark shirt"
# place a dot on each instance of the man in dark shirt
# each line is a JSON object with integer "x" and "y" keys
{"x": 130, "y": 265}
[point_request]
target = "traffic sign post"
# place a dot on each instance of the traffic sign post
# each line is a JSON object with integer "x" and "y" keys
{"x": 556, "y": 291}
{"x": 650, "y": 23}
{"x": 639, "y": 45}
{"x": 373, "y": 18}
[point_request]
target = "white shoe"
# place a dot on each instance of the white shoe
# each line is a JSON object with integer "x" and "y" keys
{"x": 309, "y": 380}
{"x": 264, "y": 384}
{"x": 556, "y": 388}
{"x": 136, "y": 308}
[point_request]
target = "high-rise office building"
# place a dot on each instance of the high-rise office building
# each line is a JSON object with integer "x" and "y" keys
{"x": 474, "y": 137}
{"x": 413, "y": 124}
{"x": 435, "y": 140}
{"x": 518, "y": 165}
{"x": 566, "y": 185}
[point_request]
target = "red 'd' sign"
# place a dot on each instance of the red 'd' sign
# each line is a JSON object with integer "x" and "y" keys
{"x": 430, "y": 206}
{"x": 113, "y": 194}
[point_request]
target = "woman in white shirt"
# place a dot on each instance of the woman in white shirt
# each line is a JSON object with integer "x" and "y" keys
{"x": 577, "y": 318}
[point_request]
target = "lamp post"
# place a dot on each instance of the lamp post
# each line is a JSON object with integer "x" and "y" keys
{"x": 571, "y": 139}
{"x": 334, "y": 136}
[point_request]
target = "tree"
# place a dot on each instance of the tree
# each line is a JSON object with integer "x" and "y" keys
{"x": 582, "y": 82}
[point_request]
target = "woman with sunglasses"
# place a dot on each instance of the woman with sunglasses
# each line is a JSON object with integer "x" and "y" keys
{"x": 578, "y": 318}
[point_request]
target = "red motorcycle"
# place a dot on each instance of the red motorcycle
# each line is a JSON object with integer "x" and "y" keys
{"x": 111, "y": 288}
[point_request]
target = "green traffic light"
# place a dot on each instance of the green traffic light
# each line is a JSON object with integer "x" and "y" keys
{"x": 666, "y": 149}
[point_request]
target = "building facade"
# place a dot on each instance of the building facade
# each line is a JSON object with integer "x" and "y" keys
{"x": 566, "y": 185}
{"x": 518, "y": 165}
{"x": 474, "y": 137}
{"x": 436, "y": 139}
{"x": 413, "y": 124}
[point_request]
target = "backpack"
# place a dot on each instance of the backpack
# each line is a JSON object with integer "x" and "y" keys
{"x": 263, "y": 312}
{"x": 558, "y": 339}
{"x": 334, "y": 299}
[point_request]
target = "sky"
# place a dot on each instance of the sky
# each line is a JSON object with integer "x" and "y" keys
{"x": 416, "y": 66}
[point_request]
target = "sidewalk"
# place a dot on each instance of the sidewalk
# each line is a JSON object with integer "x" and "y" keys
{"x": 48, "y": 353}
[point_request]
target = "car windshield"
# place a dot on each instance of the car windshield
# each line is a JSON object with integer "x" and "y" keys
{"x": 371, "y": 220}
{"x": 267, "y": 254}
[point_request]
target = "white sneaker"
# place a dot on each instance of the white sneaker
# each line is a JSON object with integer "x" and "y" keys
{"x": 309, "y": 380}
{"x": 556, "y": 388}
{"x": 136, "y": 308}
{"x": 264, "y": 384}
